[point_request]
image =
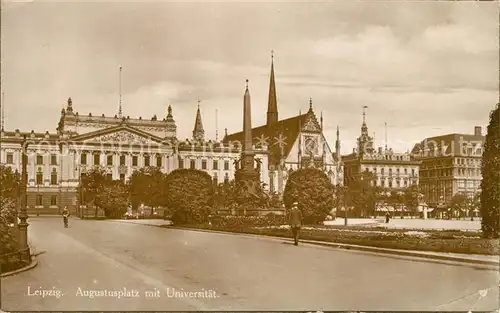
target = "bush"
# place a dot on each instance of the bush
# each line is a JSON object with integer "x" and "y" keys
{"x": 313, "y": 191}
{"x": 240, "y": 222}
{"x": 490, "y": 185}
{"x": 190, "y": 196}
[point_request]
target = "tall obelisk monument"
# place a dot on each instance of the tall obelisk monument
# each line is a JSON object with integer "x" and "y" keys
{"x": 247, "y": 171}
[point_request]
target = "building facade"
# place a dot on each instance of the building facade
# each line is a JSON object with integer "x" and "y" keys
{"x": 450, "y": 164}
{"x": 392, "y": 170}
{"x": 120, "y": 145}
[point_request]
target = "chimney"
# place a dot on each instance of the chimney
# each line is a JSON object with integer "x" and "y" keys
{"x": 477, "y": 131}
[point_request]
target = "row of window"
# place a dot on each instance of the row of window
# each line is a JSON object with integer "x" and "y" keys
{"x": 450, "y": 172}
{"x": 39, "y": 200}
{"x": 382, "y": 171}
{"x": 109, "y": 160}
{"x": 53, "y": 177}
{"x": 147, "y": 162}
{"x": 215, "y": 164}
{"x": 38, "y": 161}
{"x": 398, "y": 184}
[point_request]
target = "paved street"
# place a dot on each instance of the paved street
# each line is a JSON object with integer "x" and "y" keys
{"x": 241, "y": 272}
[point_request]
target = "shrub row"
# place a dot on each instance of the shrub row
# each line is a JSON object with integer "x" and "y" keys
{"x": 232, "y": 222}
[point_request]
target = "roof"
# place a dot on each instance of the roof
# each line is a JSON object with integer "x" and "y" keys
{"x": 446, "y": 145}
{"x": 288, "y": 128}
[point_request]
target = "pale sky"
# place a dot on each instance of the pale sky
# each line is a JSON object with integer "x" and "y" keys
{"x": 425, "y": 68}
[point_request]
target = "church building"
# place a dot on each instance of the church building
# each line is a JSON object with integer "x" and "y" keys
{"x": 293, "y": 143}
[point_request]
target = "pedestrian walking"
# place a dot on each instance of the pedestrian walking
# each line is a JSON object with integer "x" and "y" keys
{"x": 387, "y": 217}
{"x": 295, "y": 222}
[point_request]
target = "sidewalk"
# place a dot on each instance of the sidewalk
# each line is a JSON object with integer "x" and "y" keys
{"x": 488, "y": 260}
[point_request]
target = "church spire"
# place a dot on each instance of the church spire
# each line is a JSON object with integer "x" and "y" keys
{"x": 337, "y": 144}
{"x": 272, "y": 104}
{"x": 198, "y": 132}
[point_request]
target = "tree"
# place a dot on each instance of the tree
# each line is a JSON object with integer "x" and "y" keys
{"x": 9, "y": 191}
{"x": 313, "y": 191}
{"x": 242, "y": 197}
{"x": 10, "y": 183}
{"x": 114, "y": 198}
{"x": 91, "y": 186}
{"x": 190, "y": 195}
{"x": 411, "y": 198}
{"x": 459, "y": 203}
{"x": 147, "y": 186}
{"x": 490, "y": 185}
{"x": 362, "y": 194}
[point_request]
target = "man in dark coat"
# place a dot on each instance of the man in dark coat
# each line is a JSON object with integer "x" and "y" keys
{"x": 295, "y": 219}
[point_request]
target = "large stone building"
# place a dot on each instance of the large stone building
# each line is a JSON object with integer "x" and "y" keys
{"x": 450, "y": 164}
{"x": 392, "y": 170}
{"x": 122, "y": 144}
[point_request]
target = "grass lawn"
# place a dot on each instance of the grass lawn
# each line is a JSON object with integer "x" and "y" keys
{"x": 451, "y": 241}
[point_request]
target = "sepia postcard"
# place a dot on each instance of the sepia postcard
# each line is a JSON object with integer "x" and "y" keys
{"x": 249, "y": 156}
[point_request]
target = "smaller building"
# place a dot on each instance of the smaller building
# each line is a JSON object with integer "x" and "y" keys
{"x": 392, "y": 170}
{"x": 450, "y": 164}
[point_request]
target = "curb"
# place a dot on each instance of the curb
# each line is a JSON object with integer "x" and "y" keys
{"x": 407, "y": 253}
{"x": 33, "y": 264}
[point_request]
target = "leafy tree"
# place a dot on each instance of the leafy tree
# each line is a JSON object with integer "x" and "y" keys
{"x": 9, "y": 191}
{"x": 114, "y": 198}
{"x": 411, "y": 198}
{"x": 91, "y": 186}
{"x": 147, "y": 186}
{"x": 490, "y": 185}
{"x": 459, "y": 203}
{"x": 190, "y": 195}
{"x": 313, "y": 191}
{"x": 474, "y": 203}
{"x": 9, "y": 188}
{"x": 362, "y": 194}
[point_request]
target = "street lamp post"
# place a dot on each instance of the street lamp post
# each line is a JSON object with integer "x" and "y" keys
{"x": 23, "y": 216}
{"x": 345, "y": 205}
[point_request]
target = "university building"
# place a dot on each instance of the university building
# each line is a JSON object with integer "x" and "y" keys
{"x": 392, "y": 170}
{"x": 120, "y": 145}
{"x": 450, "y": 164}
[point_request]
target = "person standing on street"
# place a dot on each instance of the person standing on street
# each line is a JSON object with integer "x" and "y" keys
{"x": 65, "y": 214}
{"x": 295, "y": 222}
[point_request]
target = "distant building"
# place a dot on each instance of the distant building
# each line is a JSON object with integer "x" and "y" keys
{"x": 451, "y": 164}
{"x": 391, "y": 170}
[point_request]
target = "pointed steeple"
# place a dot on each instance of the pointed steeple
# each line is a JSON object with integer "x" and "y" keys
{"x": 337, "y": 144}
{"x": 272, "y": 102}
{"x": 198, "y": 132}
